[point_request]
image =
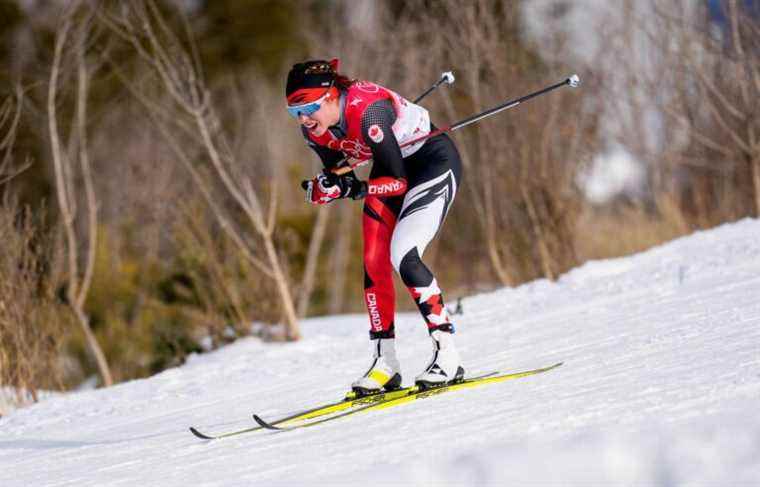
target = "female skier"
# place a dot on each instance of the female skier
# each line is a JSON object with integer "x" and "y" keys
{"x": 408, "y": 194}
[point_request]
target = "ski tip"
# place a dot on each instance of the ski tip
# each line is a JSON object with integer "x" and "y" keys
{"x": 264, "y": 424}
{"x": 200, "y": 435}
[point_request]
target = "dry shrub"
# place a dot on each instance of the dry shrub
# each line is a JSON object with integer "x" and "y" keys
{"x": 32, "y": 320}
{"x": 625, "y": 229}
{"x": 219, "y": 289}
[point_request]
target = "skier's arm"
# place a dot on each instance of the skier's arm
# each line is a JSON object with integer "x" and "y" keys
{"x": 377, "y": 130}
{"x": 326, "y": 186}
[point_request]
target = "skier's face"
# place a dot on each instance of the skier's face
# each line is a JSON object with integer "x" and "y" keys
{"x": 318, "y": 122}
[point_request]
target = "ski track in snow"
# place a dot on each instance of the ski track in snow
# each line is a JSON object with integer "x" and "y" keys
{"x": 660, "y": 386}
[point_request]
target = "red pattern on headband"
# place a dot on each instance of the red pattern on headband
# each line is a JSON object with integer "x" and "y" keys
{"x": 308, "y": 95}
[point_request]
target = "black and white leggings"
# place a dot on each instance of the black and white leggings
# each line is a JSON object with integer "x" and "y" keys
{"x": 398, "y": 229}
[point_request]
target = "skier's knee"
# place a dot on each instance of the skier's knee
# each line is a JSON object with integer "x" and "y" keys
{"x": 413, "y": 271}
{"x": 397, "y": 255}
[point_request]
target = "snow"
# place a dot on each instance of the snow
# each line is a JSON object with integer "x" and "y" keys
{"x": 660, "y": 386}
{"x": 9, "y": 398}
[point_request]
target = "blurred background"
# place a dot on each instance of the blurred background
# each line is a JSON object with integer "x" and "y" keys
{"x": 150, "y": 201}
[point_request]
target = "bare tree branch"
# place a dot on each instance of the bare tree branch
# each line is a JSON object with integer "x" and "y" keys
{"x": 81, "y": 129}
{"x": 76, "y": 288}
{"x": 312, "y": 259}
{"x": 57, "y": 153}
{"x": 10, "y": 115}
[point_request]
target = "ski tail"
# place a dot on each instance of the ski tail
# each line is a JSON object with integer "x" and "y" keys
{"x": 266, "y": 425}
{"x": 201, "y": 435}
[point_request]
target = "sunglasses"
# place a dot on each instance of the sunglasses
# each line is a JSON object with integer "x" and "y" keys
{"x": 309, "y": 108}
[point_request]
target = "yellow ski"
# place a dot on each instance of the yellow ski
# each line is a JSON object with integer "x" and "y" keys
{"x": 409, "y": 394}
{"x": 351, "y": 401}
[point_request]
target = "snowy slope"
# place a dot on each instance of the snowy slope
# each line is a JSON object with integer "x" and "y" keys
{"x": 660, "y": 386}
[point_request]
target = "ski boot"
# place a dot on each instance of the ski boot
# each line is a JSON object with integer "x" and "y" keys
{"x": 384, "y": 373}
{"x": 445, "y": 367}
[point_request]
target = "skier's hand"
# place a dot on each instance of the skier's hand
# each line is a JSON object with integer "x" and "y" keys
{"x": 320, "y": 191}
{"x": 327, "y": 187}
{"x": 350, "y": 186}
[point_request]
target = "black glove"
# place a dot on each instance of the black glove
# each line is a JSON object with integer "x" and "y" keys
{"x": 350, "y": 186}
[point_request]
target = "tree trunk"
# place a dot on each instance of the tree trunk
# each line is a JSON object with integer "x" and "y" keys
{"x": 497, "y": 264}
{"x": 339, "y": 262}
{"x": 543, "y": 249}
{"x": 92, "y": 342}
{"x": 755, "y": 168}
{"x": 312, "y": 259}
{"x": 292, "y": 331}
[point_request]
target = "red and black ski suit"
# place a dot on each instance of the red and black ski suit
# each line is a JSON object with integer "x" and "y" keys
{"x": 410, "y": 192}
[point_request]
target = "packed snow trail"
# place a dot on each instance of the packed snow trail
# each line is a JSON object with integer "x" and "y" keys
{"x": 660, "y": 386}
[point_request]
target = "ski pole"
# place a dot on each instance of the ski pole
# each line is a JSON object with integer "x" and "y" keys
{"x": 447, "y": 77}
{"x": 573, "y": 81}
